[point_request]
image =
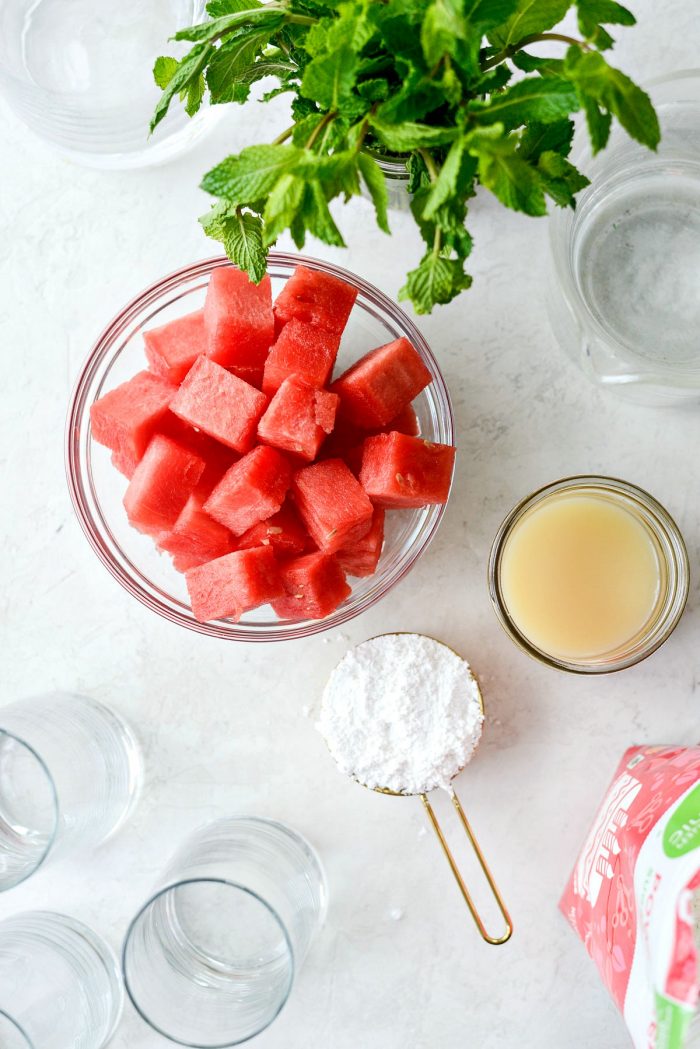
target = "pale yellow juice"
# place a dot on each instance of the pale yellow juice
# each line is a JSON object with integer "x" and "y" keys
{"x": 580, "y": 575}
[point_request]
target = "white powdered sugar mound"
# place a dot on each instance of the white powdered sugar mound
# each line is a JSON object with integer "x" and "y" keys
{"x": 401, "y": 711}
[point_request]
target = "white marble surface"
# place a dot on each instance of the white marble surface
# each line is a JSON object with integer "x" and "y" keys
{"x": 226, "y": 727}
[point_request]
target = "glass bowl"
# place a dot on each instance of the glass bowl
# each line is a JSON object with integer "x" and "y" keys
{"x": 97, "y": 489}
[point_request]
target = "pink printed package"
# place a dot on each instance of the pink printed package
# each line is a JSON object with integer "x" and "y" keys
{"x": 631, "y": 896}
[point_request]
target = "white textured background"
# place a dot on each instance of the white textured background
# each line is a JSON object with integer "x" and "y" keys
{"x": 223, "y": 725}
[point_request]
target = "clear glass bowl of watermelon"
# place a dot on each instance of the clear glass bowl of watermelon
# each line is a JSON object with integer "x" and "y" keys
{"x": 97, "y": 489}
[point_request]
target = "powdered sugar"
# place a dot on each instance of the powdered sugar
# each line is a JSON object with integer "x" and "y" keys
{"x": 401, "y": 711}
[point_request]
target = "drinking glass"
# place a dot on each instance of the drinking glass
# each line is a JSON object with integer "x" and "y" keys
{"x": 60, "y": 986}
{"x": 70, "y": 771}
{"x": 79, "y": 74}
{"x": 624, "y": 288}
{"x": 210, "y": 958}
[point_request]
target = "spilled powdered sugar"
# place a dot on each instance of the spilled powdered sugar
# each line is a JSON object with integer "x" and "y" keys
{"x": 401, "y": 711}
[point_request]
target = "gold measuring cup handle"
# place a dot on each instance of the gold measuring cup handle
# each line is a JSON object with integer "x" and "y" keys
{"x": 458, "y": 877}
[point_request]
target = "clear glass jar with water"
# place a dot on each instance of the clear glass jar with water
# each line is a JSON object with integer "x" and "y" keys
{"x": 624, "y": 289}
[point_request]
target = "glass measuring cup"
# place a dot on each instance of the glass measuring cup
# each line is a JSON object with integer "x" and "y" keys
{"x": 423, "y": 795}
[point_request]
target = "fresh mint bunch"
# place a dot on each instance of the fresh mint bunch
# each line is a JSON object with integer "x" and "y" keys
{"x": 431, "y": 81}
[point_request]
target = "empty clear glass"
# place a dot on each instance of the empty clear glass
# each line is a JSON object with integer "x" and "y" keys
{"x": 79, "y": 74}
{"x": 624, "y": 296}
{"x": 210, "y": 959}
{"x": 60, "y": 986}
{"x": 70, "y": 772}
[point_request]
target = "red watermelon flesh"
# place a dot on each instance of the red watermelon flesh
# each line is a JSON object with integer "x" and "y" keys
{"x": 196, "y": 538}
{"x": 315, "y": 298}
{"x": 398, "y": 470}
{"x": 173, "y": 348}
{"x": 362, "y": 557}
{"x": 125, "y": 463}
{"x": 332, "y": 504}
{"x": 283, "y": 533}
{"x": 161, "y": 485}
{"x": 233, "y": 584}
{"x": 377, "y": 387}
{"x": 298, "y": 418}
{"x": 239, "y": 322}
{"x": 301, "y": 350}
{"x": 127, "y": 417}
{"x": 405, "y": 422}
{"x": 220, "y": 404}
{"x": 251, "y": 491}
{"x": 315, "y": 586}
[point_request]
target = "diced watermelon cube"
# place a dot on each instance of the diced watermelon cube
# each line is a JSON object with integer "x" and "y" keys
{"x": 252, "y": 490}
{"x": 127, "y": 417}
{"x": 315, "y": 298}
{"x": 298, "y": 418}
{"x": 315, "y": 586}
{"x": 301, "y": 350}
{"x": 362, "y": 557}
{"x": 172, "y": 349}
{"x": 233, "y": 584}
{"x": 239, "y": 322}
{"x": 283, "y": 533}
{"x": 220, "y": 404}
{"x": 126, "y": 464}
{"x": 161, "y": 485}
{"x": 196, "y": 538}
{"x": 380, "y": 385}
{"x": 332, "y": 504}
{"x": 398, "y": 470}
{"x": 405, "y": 422}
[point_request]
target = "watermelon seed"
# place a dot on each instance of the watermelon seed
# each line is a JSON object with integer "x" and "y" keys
{"x": 399, "y": 478}
{"x": 331, "y": 533}
{"x": 265, "y": 542}
{"x": 429, "y": 444}
{"x": 274, "y": 530}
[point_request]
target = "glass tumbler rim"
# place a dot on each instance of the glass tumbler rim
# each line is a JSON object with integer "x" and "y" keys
{"x": 18, "y": 1027}
{"x": 675, "y": 555}
{"x": 55, "y": 800}
{"x": 86, "y": 503}
{"x": 206, "y": 880}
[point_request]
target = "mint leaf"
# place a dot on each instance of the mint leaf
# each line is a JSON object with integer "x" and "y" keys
{"x": 282, "y": 206}
{"x": 317, "y": 216}
{"x": 402, "y": 138}
{"x": 446, "y": 183}
{"x": 435, "y": 281}
{"x": 164, "y": 71}
{"x": 598, "y": 122}
{"x": 254, "y": 172}
{"x": 443, "y": 25}
{"x": 539, "y": 138}
{"x": 194, "y": 95}
{"x": 613, "y": 92}
{"x": 531, "y": 16}
{"x": 561, "y": 180}
{"x": 533, "y": 64}
{"x": 535, "y": 98}
{"x": 508, "y": 176}
{"x": 329, "y": 79}
{"x": 488, "y": 13}
{"x": 219, "y": 8}
{"x": 253, "y": 15}
{"x": 592, "y": 14}
{"x": 375, "y": 182}
{"x": 231, "y": 59}
{"x": 241, "y": 234}
{"x": 188, "y": 70}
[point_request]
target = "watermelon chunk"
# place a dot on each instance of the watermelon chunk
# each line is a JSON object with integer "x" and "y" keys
{"x": 332, "y": 504}
{"x": 233, "y": 584}
{"x": 315, "y": 586}
{"x": 251, "y": 491}
{"x": 161, "y": 485}
{"x": 298, "y": 418}
{"x": 315, "y": 298}
{"x": 220, "y": 404}
{"x": 362, "y": 557}
{"x": 196, "y": 538}
{"x": 172, "y": 349}
{"x": 405, "y": 422}
{"x": 380, "y": 385}
{"x": 301, "y": 350}
{"x": 398, "y": 470}
{"x": 283, "y": 533}
{"x": 239, "y": 322}
{"x": 127, "y": 417}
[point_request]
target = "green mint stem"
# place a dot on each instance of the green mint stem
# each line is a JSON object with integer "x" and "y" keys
{"x": 534, "y": 38}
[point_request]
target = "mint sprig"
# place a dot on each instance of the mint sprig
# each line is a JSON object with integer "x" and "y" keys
{"x": 455, "y": 89}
